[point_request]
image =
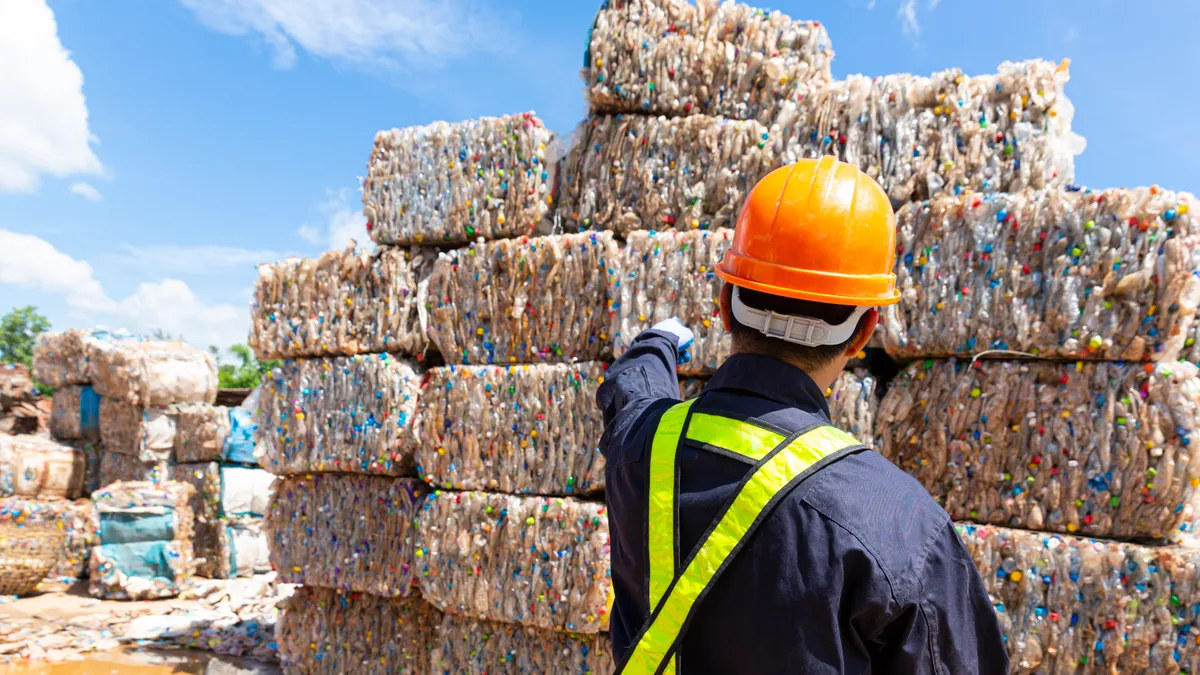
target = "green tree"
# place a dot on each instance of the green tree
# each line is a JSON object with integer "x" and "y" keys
{"x": 18, "y": 333}
{"x": 247, "y": 373}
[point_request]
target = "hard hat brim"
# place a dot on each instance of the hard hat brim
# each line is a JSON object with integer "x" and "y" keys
{"x": 878, "y": 290}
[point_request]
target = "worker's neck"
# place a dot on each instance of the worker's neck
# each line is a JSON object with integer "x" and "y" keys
{"x": 823, "y": 377}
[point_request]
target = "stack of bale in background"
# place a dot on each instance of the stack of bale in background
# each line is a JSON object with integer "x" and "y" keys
{"x": 512, "y": 543}
{"x": 41, "y": 484}
{"x": 144, "y": 551}
{"x": 1095, "y": 438}
{"x": 142, "y": 410}
{"x": 336, "y": 425}
{"x": 20, "y": 410}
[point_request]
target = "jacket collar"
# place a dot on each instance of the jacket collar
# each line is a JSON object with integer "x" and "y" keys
{"x": 770, "y": 378}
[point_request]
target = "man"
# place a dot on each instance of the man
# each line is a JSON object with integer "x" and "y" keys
{"x": 749, "y": 535}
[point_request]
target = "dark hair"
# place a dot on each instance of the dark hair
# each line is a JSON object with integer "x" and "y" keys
{"x": 751, "y": 341}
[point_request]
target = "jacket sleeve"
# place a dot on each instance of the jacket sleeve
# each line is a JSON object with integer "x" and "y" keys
{"x": 952, "y": 627}
{"x": 641, "y": 381}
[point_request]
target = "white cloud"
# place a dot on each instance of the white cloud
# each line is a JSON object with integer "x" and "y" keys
{"x": 31, "y": 262}
{"x": 310, "y": 234}
{"x": 908, "y": 17}
{"x": 86, "y": 191}
{"x": 415, "y": 33}
{"x": 344, "y": 223}
{"x": 44, "y": 118}
{"x": 196, "y": 259}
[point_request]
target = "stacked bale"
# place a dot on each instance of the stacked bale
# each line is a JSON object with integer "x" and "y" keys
{"x": 452, "y": 183}
{"x": 1092, "y": 434}
{"x": 228, "y": 506}
{"x": 1081, "y": 274}
{"x": 19, "y": 409}
{"x": 144, "y": 548}
{"x": 692, "y": 104}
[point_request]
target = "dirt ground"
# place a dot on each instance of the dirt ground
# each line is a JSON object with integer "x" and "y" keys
{"x": 55, "y": 608}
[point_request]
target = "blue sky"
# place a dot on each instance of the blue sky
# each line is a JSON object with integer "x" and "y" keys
{"x": 175, "y": 143}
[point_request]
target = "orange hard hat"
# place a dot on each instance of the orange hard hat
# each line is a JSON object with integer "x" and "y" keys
{"x": 818, "y": 230}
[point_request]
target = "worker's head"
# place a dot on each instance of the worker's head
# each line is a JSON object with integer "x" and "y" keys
{"x": 811, "y": 259}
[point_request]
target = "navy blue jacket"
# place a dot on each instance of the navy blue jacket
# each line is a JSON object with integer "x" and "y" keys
{"x": 857, "y": 571}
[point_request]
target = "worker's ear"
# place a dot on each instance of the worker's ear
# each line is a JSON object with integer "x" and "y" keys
{"x": 866, "y": 328}
{"x": 726, "y": 307}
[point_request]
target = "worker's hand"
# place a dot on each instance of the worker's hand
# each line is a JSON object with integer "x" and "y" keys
{"x": 682, "y": 333}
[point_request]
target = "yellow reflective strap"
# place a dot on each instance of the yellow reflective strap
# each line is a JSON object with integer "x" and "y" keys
{"x": 660, "y": 525}
{"x": 768, "y": 479}
{"x": 733, "y": 435}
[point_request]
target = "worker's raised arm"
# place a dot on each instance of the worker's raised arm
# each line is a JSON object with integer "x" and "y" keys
{"x": 642, "y": 376}
{"x": 952, "y": 626}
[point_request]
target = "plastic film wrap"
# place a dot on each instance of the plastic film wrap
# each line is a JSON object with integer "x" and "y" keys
{"x": 653, "y": 173}
{"x": 538, "y": 561}
{"x": 451, "y": 183}
{"x": 340, "y": 304}
{"x": 345, "y": 531}
{"x": 77, "y": 521}
{"x": 1101, "y": 449}
{"x": 145, "y": 433}
{"x": 322, "y": 631}
{"x": 152, "y": 372}
{"x": 200, "y": 432}
{"x": 672, "y": 274}
{"x": 1073, "y": 605}
{"x": 243, "y": 548}
{"x": 1106, "y": 274}
{"x": 352, "y": 414}
{"x": 672, "y": 57}
{"x": 60, "y": 359}
{"x": 516, "y": 429}
{"x": 523, "y": 300}
{"x": 35, "y": 466}
{"x": 464, "y": 645}
{"x": 919, "y": 136}
{"x": 145, "y": 541}
{"x": 75, "y": 413}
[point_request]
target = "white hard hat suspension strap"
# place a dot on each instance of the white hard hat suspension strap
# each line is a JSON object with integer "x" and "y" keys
{"x": 801, "y": 330}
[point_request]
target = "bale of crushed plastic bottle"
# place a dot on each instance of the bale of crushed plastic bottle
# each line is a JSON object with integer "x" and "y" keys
{"x": 223, "y": 492}
{"x": 200, "y": 432}
{"x": 352, "y": 414}
{"x": 672, "y": 274}
{"x": 145, "y": 433}
{"x": 465, "y": 645}
{"x": 75, "y": 413}
{"x": 1068, "y": 604}
{"x": 948, "y": 133}
{"x": 340, "y": 303}
{"x": 672, "y": 57}
{"x": 35, "y": 466}
{"x": 151, "y": 372}
{"x": 61, "y": 358}
{"x": 450, "y": 183}
{"x": 523, "y": 300}
{"x": 145, "y": 541}
{"x": 691, "y": 387}
{"x": 117, "y": 467}
{"x": 322, "y": 631}
{"x": 345, "y": 531}
{"x": 75, "y": 519}
{"x": 1099, "y": 449}
{"x": 541, "y": 562}
{"x": 631, "y": 173}
{"x": 853, "y": 404}
{"x": 1082, "y": 274}
{"x": 517, "y": 429}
